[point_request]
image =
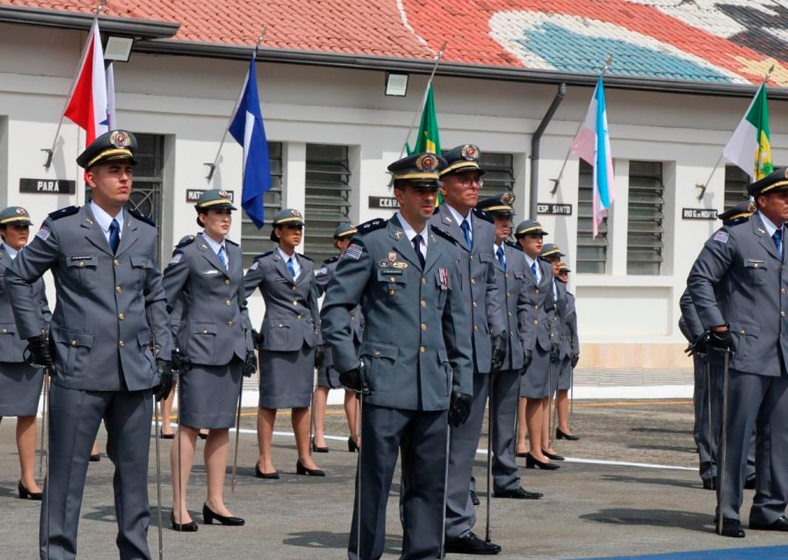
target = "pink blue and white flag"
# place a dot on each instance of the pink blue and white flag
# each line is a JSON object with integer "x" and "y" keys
{"x": 592, "y": 145}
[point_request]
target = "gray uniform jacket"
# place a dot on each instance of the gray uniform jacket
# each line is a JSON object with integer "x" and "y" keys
{"x": 323, "y": 276}
{"x": 477, "y": 280}
{"x": 571, "y": 323}
{"x": 692, "y": 323}
{"x": 214, "y": 322}
{"x": 741, "y": 260}
{"x": 561, "y": 332}
{"x": 511, "y": 288}
{"x": 110, "y": 308}
{"x": 533, "y": 317}
{"x": 292, "y": 317}
{"x": 12, "y": 347}
{"x": 416, "y": 330}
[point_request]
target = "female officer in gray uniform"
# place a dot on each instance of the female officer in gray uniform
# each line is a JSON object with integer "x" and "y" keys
{"x": 20, "y": 383}
{"x": 215, "y": 343}
{"x": 290, "y": 338}
{"x": 327, "y": 376}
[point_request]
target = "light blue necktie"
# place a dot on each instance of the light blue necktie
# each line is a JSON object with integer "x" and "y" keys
{"x": 499, "y": 252}
{"x": 533, "y": 271}
{"x": 221, "y": 256}
{"x": 114, "y": 235}
{"x": 778, "y": 241}
{"x": 290, "y": 267}
{"x": 466, "y": 230}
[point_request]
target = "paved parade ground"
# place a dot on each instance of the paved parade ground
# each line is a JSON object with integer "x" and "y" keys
{"x": 630, "y": 490}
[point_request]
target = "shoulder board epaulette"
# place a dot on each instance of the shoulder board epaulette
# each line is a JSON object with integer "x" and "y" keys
{"x": 305, "y": 257}
{"x": 371, "y": 225}
{"x": 332, "y": 259}
{"x": 141, "y": 217}
{"x": 444, "y": 234}
{"x": 63, "y": 212}
{"x": 264, "y": 255}
{"x": 514, "y": 245}
{"x": 231, "y": 242}
{"x": 481, "y": 214}
{"x": 185, "y": 242}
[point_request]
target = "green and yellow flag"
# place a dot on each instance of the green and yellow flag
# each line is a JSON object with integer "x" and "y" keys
{"x": 749, "y": 147}
{"x": 428, "y": 139}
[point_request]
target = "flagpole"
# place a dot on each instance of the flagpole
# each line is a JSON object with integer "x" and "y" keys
{"x": 705, "y": 185}
{"x": 50, "y": 152}
{"x": 212, "y": 166}
{"x": 557, "y": 182}
{"x": 420, "y": 108}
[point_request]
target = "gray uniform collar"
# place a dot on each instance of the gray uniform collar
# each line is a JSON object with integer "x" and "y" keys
{"x": 96, "y": 236}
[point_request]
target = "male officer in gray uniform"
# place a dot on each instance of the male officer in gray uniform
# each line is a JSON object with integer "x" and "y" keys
{"x": 505, "y": 384}
{"x": 110, "y": 335}
{"x": 415, "y": 359}
{"x": 739, "y": 285}
{"x": 707, "y": 407}
{"x": 474, "y": 235}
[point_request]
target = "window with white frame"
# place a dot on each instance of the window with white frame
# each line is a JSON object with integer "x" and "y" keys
{"x": 327, "y": 198}
{"x": 257, "y": 241}
{"x": 591, "y": 251}
{"x": 499, "y": 177}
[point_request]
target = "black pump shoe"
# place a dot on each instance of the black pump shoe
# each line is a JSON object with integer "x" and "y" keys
{"x": 351, "y": 445}
{"x": 301, "y": 469}
{"x": 553, "y": 456}
{"x": 95, "y": 458}
{"x": 561, "y": 435}
{"x": 260, "y": 474}
{"x": 532, "y": 462}
{"x": 208, "y": 517}
{"x": 316, "y": 449}
{"x": 25, "y": 494}
{"x": 189, "y": 527}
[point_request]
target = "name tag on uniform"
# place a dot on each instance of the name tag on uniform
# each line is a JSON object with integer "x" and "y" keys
{"x": 82, "y": 257}
{"x": 212, "y": 271}
{"x": 280, "y": 279}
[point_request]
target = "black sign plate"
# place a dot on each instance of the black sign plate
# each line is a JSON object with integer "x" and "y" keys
{"x": 386, "y": 202}
{"x": 699, "y": 213}
{"x": 193, "y": 195}
{"x": 47, "y": 186}
{"x": 555, "y": 209}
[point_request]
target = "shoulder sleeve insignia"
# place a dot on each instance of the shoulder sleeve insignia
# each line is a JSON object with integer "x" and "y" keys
{"x": 321, "y": 271}
{"x": 371, "y": 225}
{"x": 354, "y": 251}
{"x": 63, "y": 212}
{"x": 141, "y": 217}
{"x": 176, "y": 258}
{"x": 721, "y": 236}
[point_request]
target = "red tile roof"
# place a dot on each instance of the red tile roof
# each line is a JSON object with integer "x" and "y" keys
{"x": 712, "y": 41}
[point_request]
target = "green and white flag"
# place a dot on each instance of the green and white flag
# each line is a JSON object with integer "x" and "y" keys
{"x": 749, "y": 147}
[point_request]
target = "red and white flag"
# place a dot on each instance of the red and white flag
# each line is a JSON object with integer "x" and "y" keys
{"x": 87, "y": 107}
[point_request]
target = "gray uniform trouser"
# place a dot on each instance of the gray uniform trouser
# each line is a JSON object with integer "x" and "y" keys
{"x": 460, "y": 514}
{"x": 75, "y": 418}
{"x": 760, "y": 403}
{"x": 505, "y": 398}
{"x": 420, "y": 437}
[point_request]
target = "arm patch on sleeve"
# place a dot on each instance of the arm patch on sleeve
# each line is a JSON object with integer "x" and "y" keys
{"x": 354, "y": 251}
{"x": 721, "y": 236}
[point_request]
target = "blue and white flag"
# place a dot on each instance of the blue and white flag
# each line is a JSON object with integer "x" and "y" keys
{"x": 248, "y": 130}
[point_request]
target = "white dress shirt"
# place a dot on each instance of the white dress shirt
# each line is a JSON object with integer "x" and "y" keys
{"x": 296, "y": 264}
{"x": 528, "y": 262}
{"x": 459, "y": 219}
{"x": 105, "y": 220}
{"x": 411, "y": 233}
{"x": 10, "y": 250}
{"x": 217, "y": 247}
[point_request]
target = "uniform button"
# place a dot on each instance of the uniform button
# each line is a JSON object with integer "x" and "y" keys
{"x": 295, "y": 302}
{"x": 782, "y": 313}
{"x": 423, "y": 349}
{"x": 5, "y": 330}
{"x": 377, "y": 352}
{"x": 116, "y": 262}
{"x": 423, "y": 327}
{"x": 118, "y": 288}
{"x": 392, "y": 291}
{"x": 536, "y": 322}
{"x": 121, "y": 316}
{"x": 121, "y": 343}
{"x": 228, "y": 302}
{"x": 756, "y": 265}
{"x": 280, "y": 325}
{"x": 475, "y": 328}
{"x": 423, "y": 280}
{"x": 475, "y": 304}
{"x": 229, "y": 323}
{"x": 783, "y": 290}
{"x": 742, "y": 332}
{"x": 508, "y": 294}
{"x": 298, "y": 316}
{"x": 511, "y": 334}
{"x": 537, "y": 290}
{"x": 73, "y": 343}
{"x": 205, "y": 331}
{"x": 81, "y": 263}
{"x": 392, "y": 279}
{"x": 473, "y": 281}
{"x": 423, "y": 303}
{"x": 352, "y": 317}
{"x": 510, "y": 313}
{"x": 507, "y": 275}
{"x": 226, "y": 282}
{"x": 536, "y": 307}
{"x": 294, "y": 288}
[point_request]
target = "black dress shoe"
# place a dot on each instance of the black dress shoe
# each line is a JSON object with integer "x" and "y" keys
{"x": 25, "y": 494}
{"x": 317, "y": 449}
{"x": 474, "y": 498}
{"x": 531, "y": 462}
{"x": 351, "y": 445}
{"x": 780, "y": 525}
{"x": 749, "y": 484}
{"x": 202, "y": 435}
{"x": 553, "y": 456}
{"x": 521, "y": 454}
{"x": 731, "y": 528}
{"x": 561, "y": 435}
{"x": 518, "y": 494}
{"x": 471, "y": 544}
{"x": 260, "y": 474}
{"x": 208, "y": 517}
{"x": 189, "y": 527}
{"x": 95, "y": 458}
{"x": 709, "y": 483}
{"x": 166, "y": 436}
{"x": 301, "y": 469}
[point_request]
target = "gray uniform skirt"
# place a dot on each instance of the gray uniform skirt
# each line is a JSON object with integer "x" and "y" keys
{"x": 286, "y": 378}
{"x": 20, "y": 389}
{"x": 209, "y": 395}
{"x": 565, "y": 376}
{"x": 327, "y": 376}
{"x": 535, "y": 380}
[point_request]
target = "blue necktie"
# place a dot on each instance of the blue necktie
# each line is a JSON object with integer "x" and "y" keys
{"x": 533, "y": 271}
{"x": 114, "y": 236}
{"x": 221, "y": 256}
{"x": 499, "y": 252}
{"x": 778, "y": 241}
{"x": 290, "y": 267}
{"x": 417, "y": 247}
{"x": 466, "y": 230}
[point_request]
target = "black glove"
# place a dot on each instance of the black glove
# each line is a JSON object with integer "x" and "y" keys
{"x": 459, "y": 409}
{"x": 177, "y": 362}
{"x": 257, "y": 339}
{"x": 40, "y": 353}
{"x": 162, "y": 390}
{"x": 527, "y": 358}
{"x": 498, "y": 351}
{"x": 554, "y": 352}
{"x": 700, "y": 345}
{"x": 575, "y": 359}
{"x": 319, "y": 355}
{"x": 721, "y": 340}
{"x": 250, "y": 364}
{"x": 355, "y": 380}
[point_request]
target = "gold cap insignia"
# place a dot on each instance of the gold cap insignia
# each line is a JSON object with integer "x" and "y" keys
{"x": 224, "y": 194}
{"x": 119, "y": 139}
{"x": 296, "y": 213}
{"x": 507, "y": 198}
{"x": 427, "y": 162}
{"x": 470, "y": 152}
{"x": 752, "y": 207}
{"x": 20, "y": 211}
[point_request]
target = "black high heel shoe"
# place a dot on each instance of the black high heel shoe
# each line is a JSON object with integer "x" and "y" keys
{"x": 25, "y": 494}
{"x": 351, "y": 445}
{"x": 162, "y": 435}
{"x": 553, "y": 456}
{"x": 208, "y": 517}
{"x": 95, "y": 458}
{"x": 260, "y": 474}
{"x": 561, "y": 435}
{"x": 189, "y": 527}
{"x": 316, "y": 449}
{"x": 531, "y": 462}
{"x": 301, "y": 469}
